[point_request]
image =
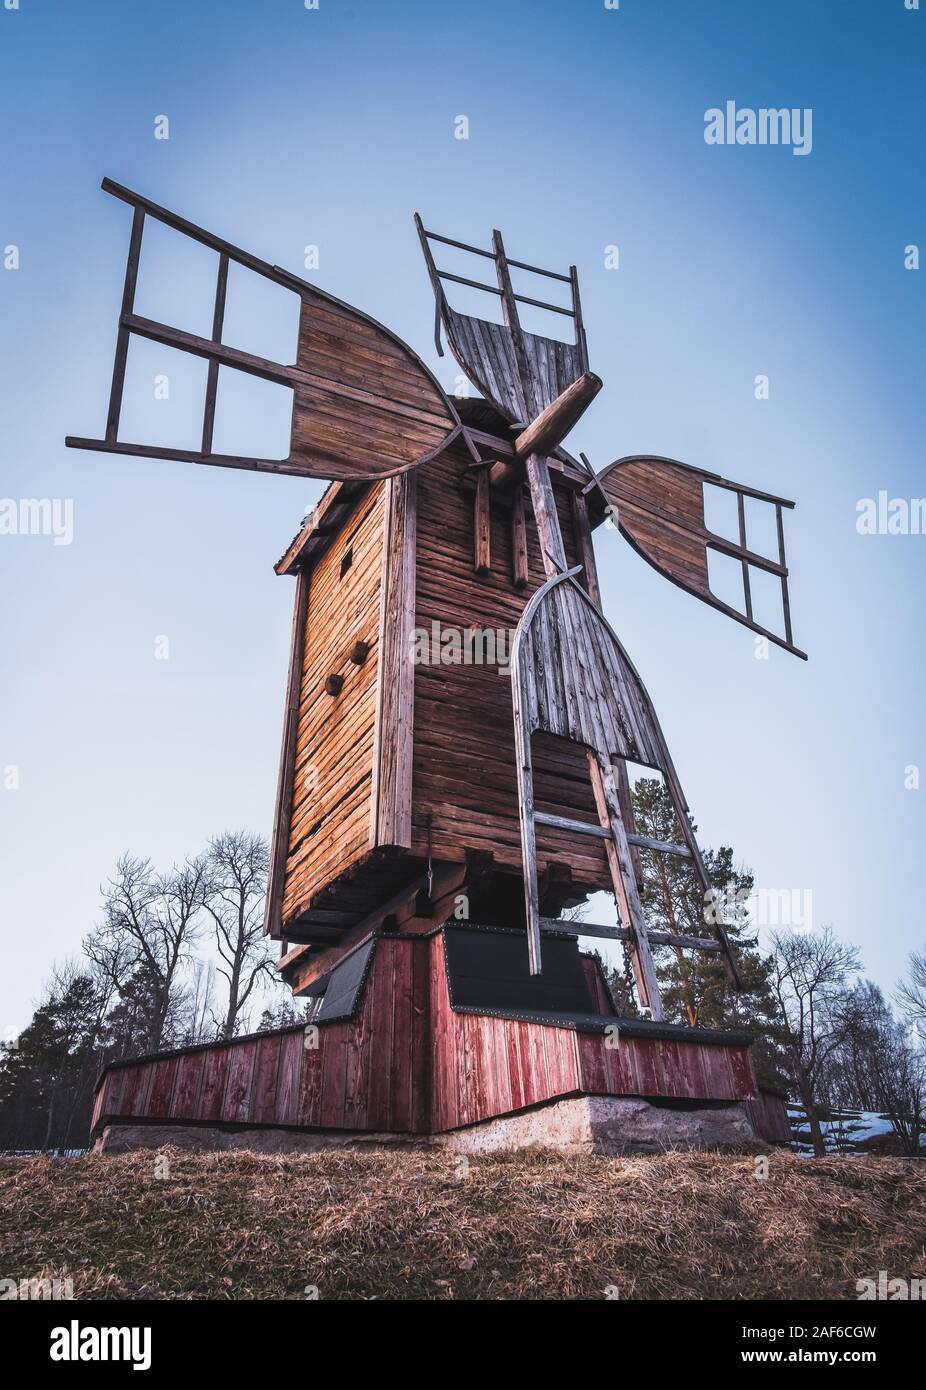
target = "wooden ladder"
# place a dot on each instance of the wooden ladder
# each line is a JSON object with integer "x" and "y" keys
{"x": 612, "y": 801}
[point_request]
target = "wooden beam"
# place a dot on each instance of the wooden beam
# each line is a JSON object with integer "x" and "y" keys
{"x": 212, "y": 377}
{"x": 684, "y": 942}
{"x": 552, "y": 425}
{"x": 741, "y": 518}
{"x": 656, "y": 938}
{"x": 424, "y": 912}
{"x": 576, "y": 827}
{"x": 663, "y": 846}
{"x": 520, "y": 572}
{"x": 482, "y": 518}
{"x": 279, "y": 840}
{"x": 318, "y": 965}
{"x": 546, "y": 516}
{"x": 586, "y": 929}
{"x": 122, "y": 338}
{"x": 584, "y": 547}
{"x": 393, "y": 752}
{"x": 625, "y": 805}
{"x": 625, "y": 885}
{"x": 581, "y": 343}
{"x": 287, "y": 468}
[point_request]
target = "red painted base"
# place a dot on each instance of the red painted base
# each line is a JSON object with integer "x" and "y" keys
{"x": 408, "y": 1062}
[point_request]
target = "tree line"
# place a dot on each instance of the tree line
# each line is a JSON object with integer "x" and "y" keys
{"x": 825, "y": 1035}
{"x": 177, "y": 958}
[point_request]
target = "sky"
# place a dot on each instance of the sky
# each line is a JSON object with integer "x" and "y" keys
{"x": 292, "y": 128}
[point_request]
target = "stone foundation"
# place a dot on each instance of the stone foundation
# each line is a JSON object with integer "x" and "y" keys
{"x": 117, "y": 1139}
{"x": 583, "y": 1124}
{"x": 607, "y": 1125}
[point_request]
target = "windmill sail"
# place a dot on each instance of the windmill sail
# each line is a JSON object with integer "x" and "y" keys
{"x": 364, "y": 404}
{"x": 658, "y": 505}
{"x": 573, "y": 679}
{"x": 521, "y": 373}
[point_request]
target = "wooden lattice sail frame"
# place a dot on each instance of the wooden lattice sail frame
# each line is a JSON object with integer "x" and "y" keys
{"x": 658, "y": 506}
{"x": 364, "y": 404}
{"x": 521, "y": 373}
{"x": 572, "y": 678}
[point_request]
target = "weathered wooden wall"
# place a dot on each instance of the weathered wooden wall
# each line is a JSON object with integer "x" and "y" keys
{"x": 330, "y": 821}
{"x": 351, "y": 790}
{"x": 464, "y": 772}
{"x": 407, "y": 1063}
{"x": 768, "y": 1114}
{"x": 371, "y": 1073}
{"x": 486, "y": 1066}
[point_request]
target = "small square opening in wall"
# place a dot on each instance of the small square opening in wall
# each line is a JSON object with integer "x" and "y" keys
{"x": 347, "y": 559}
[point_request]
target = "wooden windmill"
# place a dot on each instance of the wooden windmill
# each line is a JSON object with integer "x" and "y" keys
{"x": 423, "y": 798}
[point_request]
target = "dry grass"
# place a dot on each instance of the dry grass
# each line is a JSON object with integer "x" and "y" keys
{"x": 386, "y": 1224}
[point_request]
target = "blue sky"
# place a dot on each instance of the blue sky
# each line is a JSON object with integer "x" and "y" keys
{"x": 291, "y": 127}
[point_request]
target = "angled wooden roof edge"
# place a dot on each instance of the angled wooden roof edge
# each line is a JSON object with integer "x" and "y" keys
{"x": 336, "y": 501}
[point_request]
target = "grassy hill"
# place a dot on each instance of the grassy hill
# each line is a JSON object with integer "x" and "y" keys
{"x": 427, "y": 1225}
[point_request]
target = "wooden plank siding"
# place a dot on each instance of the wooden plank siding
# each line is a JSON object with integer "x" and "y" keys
{"x": 332, "y": 791}
{"x": 407, "y": 1063}
{"x": 418, "y": 757}
{"x": 464, "y": 786}
{"x": 768, "y": 1114}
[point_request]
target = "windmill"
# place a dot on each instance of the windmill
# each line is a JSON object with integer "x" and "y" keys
{"x": 571, "y": 676}
{"x": 414, "y": 793}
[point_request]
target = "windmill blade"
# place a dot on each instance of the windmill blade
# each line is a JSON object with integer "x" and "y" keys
{"x": 521, "y": 373}
{"x": 658, "y": 505}
{"x": 572, "y": 679}
{"x": 364, "y": 404}
{"x": 539, "y": 384}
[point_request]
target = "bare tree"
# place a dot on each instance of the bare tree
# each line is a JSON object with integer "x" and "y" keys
{"x": 237, "y": 866}
{"x": 901, "y": 1078}
{"x": 911, "y": 995}
{"x": 150, "y": 923}
{"x": 879, "y": 1067}
{"x": 810, "y": 977}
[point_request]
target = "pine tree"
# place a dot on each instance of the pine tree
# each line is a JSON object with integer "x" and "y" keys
{"x": 694, "y": 985}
